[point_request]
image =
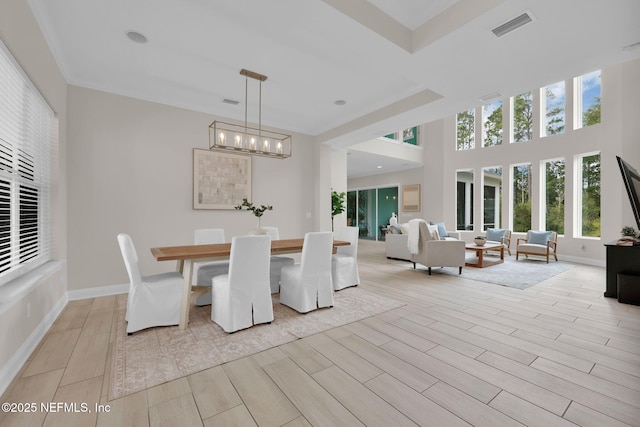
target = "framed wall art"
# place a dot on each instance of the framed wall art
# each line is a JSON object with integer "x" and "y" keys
{"x": 411, "y": 198}
{"x": 220, "y": 180}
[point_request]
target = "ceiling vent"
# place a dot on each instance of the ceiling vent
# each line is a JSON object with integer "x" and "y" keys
{"x": 513, "y": 24}
{"x": 491, "y": 97}
{"x": 230, "y": 101}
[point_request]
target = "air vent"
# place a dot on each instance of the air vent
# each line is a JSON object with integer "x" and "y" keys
{"x": 491, "y": 97}
{"x": 231, "y": 101}
{"x": 515, "y": 23}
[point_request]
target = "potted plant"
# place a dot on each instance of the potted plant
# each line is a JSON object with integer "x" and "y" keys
{"x": 337, "y": 204}
{"x": 257, "y": 211}
{"x": 628, "y": 231}
{"x": 480, "y": 240}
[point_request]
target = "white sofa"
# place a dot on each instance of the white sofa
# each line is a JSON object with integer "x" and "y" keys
{"x": 396, "y": 245}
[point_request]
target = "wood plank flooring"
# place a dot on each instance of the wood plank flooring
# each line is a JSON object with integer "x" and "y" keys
{"x": 460, "y": 352}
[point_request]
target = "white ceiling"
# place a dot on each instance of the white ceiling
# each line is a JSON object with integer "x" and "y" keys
{"x": 395, "y": 63}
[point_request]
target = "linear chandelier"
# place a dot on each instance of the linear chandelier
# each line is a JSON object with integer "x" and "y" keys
{"x": 248, "y": 140}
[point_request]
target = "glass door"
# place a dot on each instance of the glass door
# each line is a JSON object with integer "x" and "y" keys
{"x": 370, "y": 210}
{"x": 387, "y": 205}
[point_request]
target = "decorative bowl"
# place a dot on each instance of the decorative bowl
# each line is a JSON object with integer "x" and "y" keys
{"x": 480, "y": 242}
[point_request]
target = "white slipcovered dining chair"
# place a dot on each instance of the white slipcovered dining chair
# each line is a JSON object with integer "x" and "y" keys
{"x": 153, "y": 300}
{"x": 277, "y": 261}
{"x": 242, "y": 298}
{"x": 308, "y": 285}
{"x": 344, "y": 263}
{"x": 203, "y": 272}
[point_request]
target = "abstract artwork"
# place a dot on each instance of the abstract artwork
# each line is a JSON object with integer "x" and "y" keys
{"x": 411, "y": 198}
{"x": 220, "y": 180}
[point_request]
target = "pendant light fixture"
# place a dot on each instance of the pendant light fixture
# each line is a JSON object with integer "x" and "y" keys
{"x": 243, "y": 139}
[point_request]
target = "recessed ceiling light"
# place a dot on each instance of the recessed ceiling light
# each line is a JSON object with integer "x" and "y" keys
{"x": 340, "y": 102}
{"x": 136, "y": 37}
{"x": 379, "y": 167}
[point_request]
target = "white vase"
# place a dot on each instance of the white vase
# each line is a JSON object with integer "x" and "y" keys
{"x": 394, "y": 219}
{"x": 258, "y": 230}
{"x": 480, "y": 242}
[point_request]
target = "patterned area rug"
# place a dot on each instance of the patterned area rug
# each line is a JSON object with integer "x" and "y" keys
{"x": 520, "y": 274}
{"x": 157, "y": 355}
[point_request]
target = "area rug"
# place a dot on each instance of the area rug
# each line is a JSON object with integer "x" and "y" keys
{"x": 520, "y": 274}
{"x": 157, "y": 355}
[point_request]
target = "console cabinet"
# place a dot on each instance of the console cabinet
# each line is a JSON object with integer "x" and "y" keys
{"x": 620, "y": 259}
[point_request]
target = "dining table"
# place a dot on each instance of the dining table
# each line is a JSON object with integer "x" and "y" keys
{"x": 187, "y": 255}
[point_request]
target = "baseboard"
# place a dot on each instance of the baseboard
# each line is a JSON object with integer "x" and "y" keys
{"x": 19, "y": 358}
{"x": 580, "y": 260}
{"x": 101, "y": 291}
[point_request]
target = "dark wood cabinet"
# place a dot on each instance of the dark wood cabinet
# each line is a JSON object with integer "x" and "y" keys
{"x": 620, "y": 259}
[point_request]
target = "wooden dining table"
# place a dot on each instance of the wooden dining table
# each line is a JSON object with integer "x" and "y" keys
{"x": 187, "y": 255}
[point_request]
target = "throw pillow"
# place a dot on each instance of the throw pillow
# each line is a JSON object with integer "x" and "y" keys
{"x": 394, "y": 229}
{"x": 442, "y": 229}
{"x": 539, "y": 237}
{"x": 433, "y": 232}
{"x": 404, "y": 228}
{"x": 496, "y": 234}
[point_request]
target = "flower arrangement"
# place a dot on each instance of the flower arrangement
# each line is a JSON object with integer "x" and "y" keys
{"x": 628, "y": 231}
{"x": 257, "y": 211}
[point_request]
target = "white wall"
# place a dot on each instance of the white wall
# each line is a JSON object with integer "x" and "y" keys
{"x": 130, "y": 171}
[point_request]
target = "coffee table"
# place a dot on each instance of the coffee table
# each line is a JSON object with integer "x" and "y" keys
{"x": 480, "y": 252}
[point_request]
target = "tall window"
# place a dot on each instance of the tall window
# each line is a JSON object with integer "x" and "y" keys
{"x": 589, "y": 195}
{"x": 492, "y": 124}
{"x": 465, "y": 135}
{"x": 492, "y": 197}
{"x": 553, "y": 103}
{"x": 464, "y": 202}
{"x": 27, "y": 127}
{"x": 522, "y": 117}
{"x": 587, "y": 99}
{"x": 522, "y": 197}
{"x": 554, "y": 195}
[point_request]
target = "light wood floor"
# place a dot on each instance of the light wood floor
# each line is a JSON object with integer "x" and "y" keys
{"x": 460, "y": 352}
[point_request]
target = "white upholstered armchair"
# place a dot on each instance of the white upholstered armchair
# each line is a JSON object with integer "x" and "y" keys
{"x": 540, "y": 243}
{"x": 433, "y": 252}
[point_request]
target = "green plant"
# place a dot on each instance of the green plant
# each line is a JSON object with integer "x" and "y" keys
{"x": 257, "y": 211}
{"x": 480, "y": 237}
{"x": 628, "y": 231}
{"x": 337, "y": 204}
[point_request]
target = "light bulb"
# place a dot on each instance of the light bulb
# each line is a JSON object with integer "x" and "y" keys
{"x": 221, "y": 138}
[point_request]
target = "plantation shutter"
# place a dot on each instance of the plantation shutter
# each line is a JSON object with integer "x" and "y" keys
{"x": 28, "y": 130}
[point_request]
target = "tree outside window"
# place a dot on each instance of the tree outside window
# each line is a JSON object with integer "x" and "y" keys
{"x": 522, "y": 197}
{"x": 590, "y": 195}
{"x": 465, "y": 134}
{"x": 587, "y": 90}
{"x": 522, "y": 117}
{"x": 554, "y": 195}
{"x": 553, "y": 99}
{"x": 492, "y": 124}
